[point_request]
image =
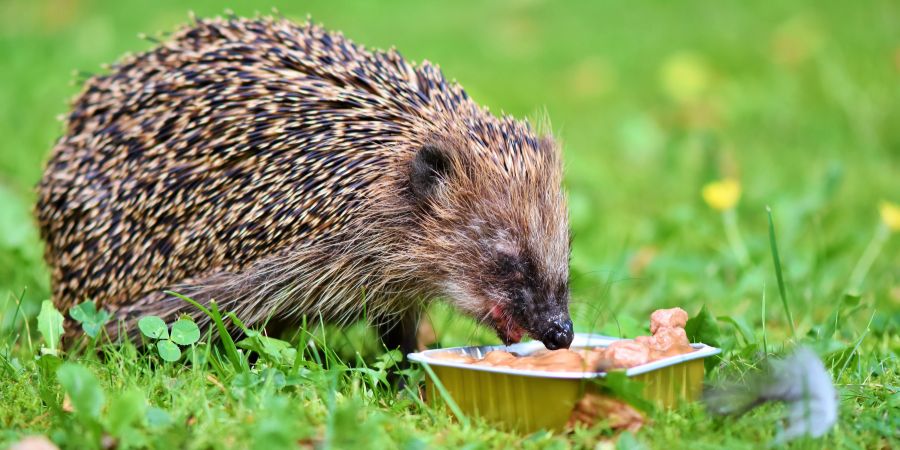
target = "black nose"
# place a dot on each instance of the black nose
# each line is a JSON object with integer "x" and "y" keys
{"x": 559, "y": 335}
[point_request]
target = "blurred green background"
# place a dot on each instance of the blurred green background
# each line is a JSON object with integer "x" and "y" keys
{"x": 800, "y": 101}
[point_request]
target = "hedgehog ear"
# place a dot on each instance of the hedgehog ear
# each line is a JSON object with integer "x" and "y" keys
{"x": 429, "y": 166}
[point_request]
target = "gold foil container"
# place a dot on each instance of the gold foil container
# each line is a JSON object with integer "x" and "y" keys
{"x": 529, "y": 400}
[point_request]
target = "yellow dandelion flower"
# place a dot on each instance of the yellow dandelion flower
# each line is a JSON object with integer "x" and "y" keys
{"x": 890, "y": 215}
{"x": 685, "y": 77}
{"x": 723, "y": 194}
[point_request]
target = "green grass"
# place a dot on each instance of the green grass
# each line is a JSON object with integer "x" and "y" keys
{"x": 652, "y": 100}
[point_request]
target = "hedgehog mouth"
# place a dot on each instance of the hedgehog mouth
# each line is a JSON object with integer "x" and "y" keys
{"x": 509, "y": 331}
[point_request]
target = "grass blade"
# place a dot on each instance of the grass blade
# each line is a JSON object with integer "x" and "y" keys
{"x": 855, "y": 349}
{"x": 446, "y": 396}
{"x": 882, "y": 233}
{"x": 778, "y": 274}
{"x": 763, "y": 315}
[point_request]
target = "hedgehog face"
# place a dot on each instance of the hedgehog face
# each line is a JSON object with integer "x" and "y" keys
{"x": 494, "y": 227}
{"x": 526, "y": 296}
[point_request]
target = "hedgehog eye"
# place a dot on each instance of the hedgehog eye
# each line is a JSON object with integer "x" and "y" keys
{"x": 429, "y": 166}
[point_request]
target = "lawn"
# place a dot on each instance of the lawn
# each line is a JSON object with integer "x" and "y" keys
{"x": 796, "y": 102}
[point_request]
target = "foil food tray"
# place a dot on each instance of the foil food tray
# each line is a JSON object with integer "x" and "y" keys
{"x": 531, "y": 400}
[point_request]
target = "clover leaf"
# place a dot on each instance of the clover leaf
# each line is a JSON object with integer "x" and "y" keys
{"x": 168, "y": 350}
{"x": 184, "y": 332}
{"x": 153, "y": 327}
{"x": 90, "y": 318}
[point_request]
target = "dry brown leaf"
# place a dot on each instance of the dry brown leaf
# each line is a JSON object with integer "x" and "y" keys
{"x": 425, "y": 335}
{"x": 34, "y": 443}
{"x": 108, "y": 442}
{"x": 617, "y": 414}
{"x": 67, "y": 404}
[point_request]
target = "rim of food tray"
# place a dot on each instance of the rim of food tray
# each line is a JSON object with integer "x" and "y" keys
{"x": 581, "y": 340}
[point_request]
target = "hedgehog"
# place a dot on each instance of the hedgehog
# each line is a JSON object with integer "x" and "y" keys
{"x": 285, "y": 172}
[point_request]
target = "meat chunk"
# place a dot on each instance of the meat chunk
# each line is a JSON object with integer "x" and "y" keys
{"x": 668, "y": 318}
{"x": 624, "y": 354}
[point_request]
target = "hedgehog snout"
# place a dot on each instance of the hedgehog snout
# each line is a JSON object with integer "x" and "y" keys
{"x": 549, "y": 319}
{"x": 559, "y": 334}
